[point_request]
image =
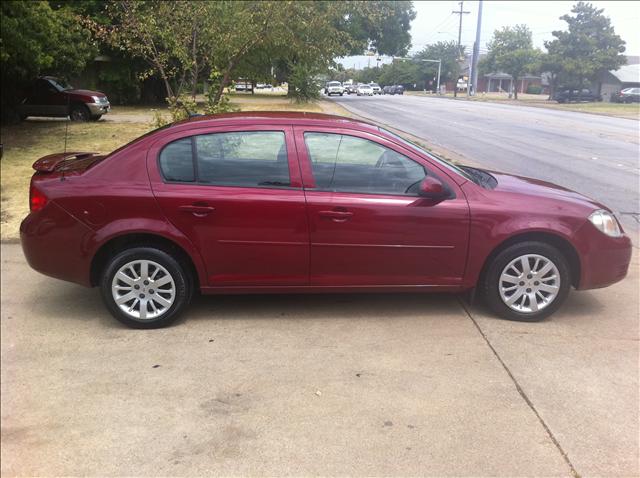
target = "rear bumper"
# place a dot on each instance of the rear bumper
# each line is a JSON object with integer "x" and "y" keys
{"x": 54, "y": 244}
{"x": 604, "y": 260}
{"x": 99, "y": 108}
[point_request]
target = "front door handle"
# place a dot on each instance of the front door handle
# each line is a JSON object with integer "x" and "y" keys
{"x": 198, "y": 210}
{"x": 336, "y": 216}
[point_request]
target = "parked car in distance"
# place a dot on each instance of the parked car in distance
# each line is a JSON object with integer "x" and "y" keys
{"x": 259, "y": 202}
{"x": 334, "y": 88}
{"x": 243, "y": 86}
{"x": 364, "y": 90}
{"x": 576, "y": 96}
{"x": 376, "y": 88}
{"x": 393, "y": 90}
{"x": 350, "y": 88}
{"x": 628, "y": 95}
{"x": 50, "y": 96}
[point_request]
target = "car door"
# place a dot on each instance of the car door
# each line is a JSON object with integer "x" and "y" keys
{"x": 44, "y": 99}
{"x": 236, "y": 193}
{"x": 368, "y": 226}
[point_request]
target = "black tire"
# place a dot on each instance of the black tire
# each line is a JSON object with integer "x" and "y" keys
{"x": 183, "y": 286}
{"x": 79, "y": 113}
{"x": 341, "y": 94}
{"x": 96, "y": 117}
{"x": 490, "y": 281}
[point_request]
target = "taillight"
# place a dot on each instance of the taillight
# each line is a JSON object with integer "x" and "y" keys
{"x": 37, "y": 200}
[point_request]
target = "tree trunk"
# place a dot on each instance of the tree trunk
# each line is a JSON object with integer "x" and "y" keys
{"x": 223, "y": 84}
{"x": 194, "y": 71}
{"x": 552, "y": 86}
{"x": 165, "y": 80}
{"x": 515, "y": 90}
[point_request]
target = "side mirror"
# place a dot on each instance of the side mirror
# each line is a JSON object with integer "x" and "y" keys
{"x": 432, "y": 188}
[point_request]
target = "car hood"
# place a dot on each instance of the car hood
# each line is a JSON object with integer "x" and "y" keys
{"x": 85, "y": 93}
{"x": 521, "y": 185}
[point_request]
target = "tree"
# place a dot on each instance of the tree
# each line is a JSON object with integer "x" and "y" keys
{"x": 449, "y": 53}
{"x": 37, "y": 40}
{"x": 552, "y": 64}
{"x": 192, "y": 39}
{"x": 511, "y": 51}
{"x": 590, "y": 47}
{"x": 400, "y": 72}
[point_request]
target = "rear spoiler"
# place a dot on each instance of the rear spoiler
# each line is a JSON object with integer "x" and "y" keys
{"x": 52, "y": 162}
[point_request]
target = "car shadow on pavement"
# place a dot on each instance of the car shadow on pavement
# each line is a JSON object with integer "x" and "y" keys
{"x": 321, "y": 306}
{"x": 69, "y": 301}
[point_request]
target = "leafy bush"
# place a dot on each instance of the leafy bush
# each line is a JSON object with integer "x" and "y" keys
{"x": 303, "y": 83}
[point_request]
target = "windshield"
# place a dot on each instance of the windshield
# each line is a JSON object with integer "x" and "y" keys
{"x": 447, "y": 164}
{"x": 60, "y": 84}
{"x": 334, "y": 83}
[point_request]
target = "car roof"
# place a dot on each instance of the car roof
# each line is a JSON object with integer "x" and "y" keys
{"x": 274, "y": 117}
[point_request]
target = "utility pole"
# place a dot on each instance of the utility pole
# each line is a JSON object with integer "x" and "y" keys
{"x": 476, "y": 53}
{"x": 458, "y": 12}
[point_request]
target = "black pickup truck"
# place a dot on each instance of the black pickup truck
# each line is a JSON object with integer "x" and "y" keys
{"x": 576, "y": 95}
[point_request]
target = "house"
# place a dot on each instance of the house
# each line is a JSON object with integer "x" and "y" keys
{"x": 627, "y": 76}
{"x": 503, "y": 82}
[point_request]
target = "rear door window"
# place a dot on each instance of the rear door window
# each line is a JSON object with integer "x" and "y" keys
{"x": 245, "y": 158}
{"x": 242, "y": 159}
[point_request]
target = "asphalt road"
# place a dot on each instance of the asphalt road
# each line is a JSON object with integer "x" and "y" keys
{"x": 597, "y": 156}
{"x": 308, "y": 385}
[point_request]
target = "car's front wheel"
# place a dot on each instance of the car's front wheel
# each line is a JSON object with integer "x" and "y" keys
{"x": 527, "y": 281}
{"x": 79, "y": 113}
{"x": 145, "y": 288}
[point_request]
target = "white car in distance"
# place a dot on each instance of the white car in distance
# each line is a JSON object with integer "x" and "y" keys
{"x": 334, "y": 88}
{"x": 364, "y": 90}
{"x": 376, "y": 88}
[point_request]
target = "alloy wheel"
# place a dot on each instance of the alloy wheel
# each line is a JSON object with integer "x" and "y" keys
{"x": 529, "y": 283}
{"x": 143, "y": 289}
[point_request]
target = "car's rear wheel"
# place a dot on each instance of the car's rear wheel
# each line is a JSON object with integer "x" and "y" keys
{"x": 527, "y": 281}
{"x": 145, "y": 288}
{"x": 79, "y": 113}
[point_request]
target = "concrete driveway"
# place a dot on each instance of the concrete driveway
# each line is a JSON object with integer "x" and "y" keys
{"x": 349, "y": 385}
{"x": 594, "y": 155}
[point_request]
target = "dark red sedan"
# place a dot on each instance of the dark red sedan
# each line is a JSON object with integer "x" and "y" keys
{"x": 296, "y": 202}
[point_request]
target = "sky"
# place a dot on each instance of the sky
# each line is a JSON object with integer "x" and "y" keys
{"x": 434, "y": 22}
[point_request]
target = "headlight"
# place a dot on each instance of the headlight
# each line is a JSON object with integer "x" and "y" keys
{"x": 99, "y": 99}
{"x": 605, "y": 222}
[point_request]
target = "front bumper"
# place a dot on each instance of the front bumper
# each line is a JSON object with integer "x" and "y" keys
{"x": 99, "y": 108}
{"x": 604, "y": 260}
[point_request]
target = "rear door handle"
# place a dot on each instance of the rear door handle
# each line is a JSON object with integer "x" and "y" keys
{"x": 197, "y": 210}
{"x": 336, "y": 216}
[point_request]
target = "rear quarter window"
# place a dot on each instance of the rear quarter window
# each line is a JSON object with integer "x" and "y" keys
{"x": 176, "y": 161}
